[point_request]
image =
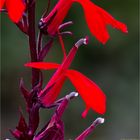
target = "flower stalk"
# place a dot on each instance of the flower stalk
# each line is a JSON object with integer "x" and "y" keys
{"x": 32, "y": 40}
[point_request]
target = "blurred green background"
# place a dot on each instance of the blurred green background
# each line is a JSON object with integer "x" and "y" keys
{"x": 114, "y": 67}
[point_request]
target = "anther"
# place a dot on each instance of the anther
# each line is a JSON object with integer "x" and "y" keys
{"x": 62, "y": 26}
{"x": 71, "y": 95}
{"x": 98, "y": 121}
{"x": 81, "y": 42}
{"x": 66, "y": 33}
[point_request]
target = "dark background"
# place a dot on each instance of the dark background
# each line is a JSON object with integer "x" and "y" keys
{"x": 114, "y": 67}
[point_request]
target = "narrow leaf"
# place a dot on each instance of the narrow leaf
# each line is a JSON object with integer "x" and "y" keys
{"x": 23, "y": 90}
{"x": 45, "y": 50}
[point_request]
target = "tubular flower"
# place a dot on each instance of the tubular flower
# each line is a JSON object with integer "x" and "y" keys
{"x": 97, "y": 19}
{"x": 15, "y": 8}
{"x": 92, "y": 95}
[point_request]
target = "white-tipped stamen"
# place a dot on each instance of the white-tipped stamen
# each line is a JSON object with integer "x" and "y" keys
{"x": 90, "y": 129}
{"x": 65, "y": 25}
{"x": 101, "y": 120}
{"x": 85, "y": 42}
{"x": 72, "y": 95}
{"x": 81, "y": 42}
{"x": 98, "y": 121}
{"x": 76, "y": 94}
{"x": 66, "y": 33}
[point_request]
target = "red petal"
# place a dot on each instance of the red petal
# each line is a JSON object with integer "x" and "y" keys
{"x": 1, "y": 3}
{"x": 51, "y": 96}
{"x": 111, "y": 21}
{"x": 61, "y": 9}
{"x": 42, "y": 65}
{"x": 84, "y": 114}
{"x": 97, "y": 20}
{"x": 15, "y": 9}
{"x": 57, "y": 80}
{"x": 89, "y": 91}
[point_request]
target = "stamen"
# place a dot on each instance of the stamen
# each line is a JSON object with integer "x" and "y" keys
{"x": 84, "y": 134}
{"x": 62, "y": 26}
{"x": 72, "y": 95}
{"x": 66, "y": 33}
{"x": 81, "y": 42}
{"x": 98, "y": 121}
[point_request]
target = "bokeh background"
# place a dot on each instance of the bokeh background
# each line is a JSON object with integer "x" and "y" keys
{"x": 114, "y": 67}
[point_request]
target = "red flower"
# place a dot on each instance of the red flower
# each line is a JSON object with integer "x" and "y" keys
{"x": 97, "y": 18}
{"x": 92, "y": 95}
{"x": 15, "y": 8}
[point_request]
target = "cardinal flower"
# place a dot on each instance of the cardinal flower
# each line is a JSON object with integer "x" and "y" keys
{"x": 97, "y": 19}
{"x": 15, "y": 8}
{"x": 92, "y": 95}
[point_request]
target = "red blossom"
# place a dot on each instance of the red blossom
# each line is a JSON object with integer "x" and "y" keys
{"x": 97, "y": 18}
{"x": 92, "y": 95}
{"x": 15, "y": 8}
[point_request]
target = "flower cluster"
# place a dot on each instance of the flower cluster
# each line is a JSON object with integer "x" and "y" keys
{"x": 22, "y": 13}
